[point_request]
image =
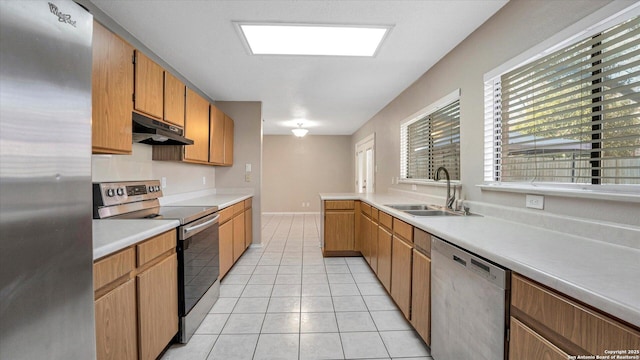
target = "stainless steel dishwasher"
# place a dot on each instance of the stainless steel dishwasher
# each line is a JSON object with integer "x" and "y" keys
{"x": 469, "y": 311}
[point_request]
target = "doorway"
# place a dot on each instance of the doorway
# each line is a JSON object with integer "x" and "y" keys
{"x": 365, "y": 165}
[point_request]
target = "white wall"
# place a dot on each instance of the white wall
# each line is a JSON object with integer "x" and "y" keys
{"x": 518, "y": 26}
{"x": 180, "y": 177}
{"x": 296, "y": 170}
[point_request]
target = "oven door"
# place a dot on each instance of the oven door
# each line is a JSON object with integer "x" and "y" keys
{"x": 198, "y": 269}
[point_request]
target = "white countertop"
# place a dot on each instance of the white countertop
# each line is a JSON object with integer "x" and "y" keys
{"x": 220, "y": 200}
{"x": 600, "y": 274}
{"x": 111, "y": 235}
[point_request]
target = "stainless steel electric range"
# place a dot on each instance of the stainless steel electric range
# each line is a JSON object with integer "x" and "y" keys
{"x": 197, "y": 244}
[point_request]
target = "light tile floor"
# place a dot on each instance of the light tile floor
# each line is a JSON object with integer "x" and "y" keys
{"x": 285, "y": 301}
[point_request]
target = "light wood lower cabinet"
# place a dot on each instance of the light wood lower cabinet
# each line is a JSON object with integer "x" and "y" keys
{"x": 239, "y": 242}
{"x": 226, "y": 247}
{"x": 401, "y": 257}
{"x": 384, "y": 257}
{"x": 526, "y": 344}
{"x": 421, "y": 295}
{"x": 564, "y": 322}
{"x": 235, "y": 227}
{"x": 248, "y": 223}
{"x": 157, "y": 306}
{"x": 116, "y": 324}
{"x": 136, "y": 299}
{"x": 339, "y": 228}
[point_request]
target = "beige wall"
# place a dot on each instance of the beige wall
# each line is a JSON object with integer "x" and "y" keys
{"x": 180, "y": 177}
{"x": 518, "y": 26}
{"x": 247, "y": 149}
{"x": 297, "y": 169}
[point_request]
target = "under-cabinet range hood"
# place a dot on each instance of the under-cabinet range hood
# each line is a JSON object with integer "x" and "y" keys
{"x": 153, "y": 132}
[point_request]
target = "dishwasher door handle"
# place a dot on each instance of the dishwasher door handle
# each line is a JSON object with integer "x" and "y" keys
{"x": 459, "y": 260}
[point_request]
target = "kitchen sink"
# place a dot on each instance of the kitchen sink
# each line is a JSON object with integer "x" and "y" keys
{"x": 431, "y": 213}
{"x": 413, "y": 207}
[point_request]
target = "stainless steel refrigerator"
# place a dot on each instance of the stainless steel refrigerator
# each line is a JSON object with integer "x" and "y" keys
{"x": 46, "y": 291}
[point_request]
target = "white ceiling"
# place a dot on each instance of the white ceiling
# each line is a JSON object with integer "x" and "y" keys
{"x": 336, "y": 95}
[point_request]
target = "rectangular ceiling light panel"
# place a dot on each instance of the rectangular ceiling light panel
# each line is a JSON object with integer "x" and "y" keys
{"x": 280, "y": 39}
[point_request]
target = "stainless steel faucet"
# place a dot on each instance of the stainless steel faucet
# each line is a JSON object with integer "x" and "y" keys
{"x": 450, "y": 198}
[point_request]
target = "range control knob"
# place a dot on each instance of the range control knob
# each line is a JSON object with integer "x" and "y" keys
{"x": 151, "y": 189}
{"x": 111, "y": 193}
{"x": 120, "y": 191}
{"x": 157, "y": 187}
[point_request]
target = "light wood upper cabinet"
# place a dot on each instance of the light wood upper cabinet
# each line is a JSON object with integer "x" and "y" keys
{"x": 216, "y": 136}
{"x": 174, "y": 98}
{"x": 197, "y": 128}
{"x": 228, "y": 140}
{"x": 112, "y": 82}
{"x": 149, "y": 86}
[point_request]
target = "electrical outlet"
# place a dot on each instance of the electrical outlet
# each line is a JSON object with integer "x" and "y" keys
{"x": 164, "y": 182}
{"x": 204, "y": 180}
{"x": 414, "y": 187}
{"x": 247, "y": 177}
{"x": 535, "y": 202}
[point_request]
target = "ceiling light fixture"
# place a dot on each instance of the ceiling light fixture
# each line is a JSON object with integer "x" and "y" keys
{"x": 299, "y": 131}
{"x": 301, "y": 39}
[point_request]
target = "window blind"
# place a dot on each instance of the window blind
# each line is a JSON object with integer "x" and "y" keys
{"x": 571, "y": 116}
{"x": 430, "y": 142}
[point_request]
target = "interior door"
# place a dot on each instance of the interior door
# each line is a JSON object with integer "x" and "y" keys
{"x": 365, "y": 165}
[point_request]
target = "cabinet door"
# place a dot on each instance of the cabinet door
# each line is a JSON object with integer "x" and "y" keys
{"x": 421, "y": 296}
{"x": 116, "y": 336}
{"x": 174, "y": 95}
{"x": 158, "y": 306}
{"x": 197, "y": 128}
{"x": 238, "y": 236}
{"x": 112, "y": 82}
{"x": 226, "y": 247}
{"x": 526, "y": 344}
{"x": 149, "y": 86}
{"x": 401, "y": 275}
{"x": 248, "y": 227}
{"x": 365, "y": 237}
{"x": 384, "y": 257}
{"x": 373, "y": 246}
{"x": 338, "y": 231}
{"x": 228, "y": 141}
{"x": 216, "y": 136}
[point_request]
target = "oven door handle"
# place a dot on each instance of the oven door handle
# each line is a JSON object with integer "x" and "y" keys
{"x": 187, "y": 230}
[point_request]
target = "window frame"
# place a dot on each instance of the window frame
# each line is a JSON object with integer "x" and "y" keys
{"x": 420, "y": 115}
{"x": 605, "y": 18}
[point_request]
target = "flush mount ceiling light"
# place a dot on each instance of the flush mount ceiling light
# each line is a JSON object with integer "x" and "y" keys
{"x": 299, "y": 131}
{"x": 301, "y": 39}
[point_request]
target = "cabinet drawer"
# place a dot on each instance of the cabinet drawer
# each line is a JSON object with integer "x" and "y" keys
{"x": 339, "y": 205}
{"x": 238, "y": 208}
{"x": 107, "y": 270}
{"x": 156, "y": 246}
{"x": 527, "y": 344}
{"x": 248, "y": 203}
{"x": 385, "y": 220}
{"x": 582, "y": 326}
{"x": 374, "y": 214}
{"x": 226, "y": 214}
{"x": 403, "y": 230}
{"x": 422, "y": 241}
{"x": 366, "y": 209}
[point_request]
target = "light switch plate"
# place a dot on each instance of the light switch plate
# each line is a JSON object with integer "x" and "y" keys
{"x": 535, "y": 202}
